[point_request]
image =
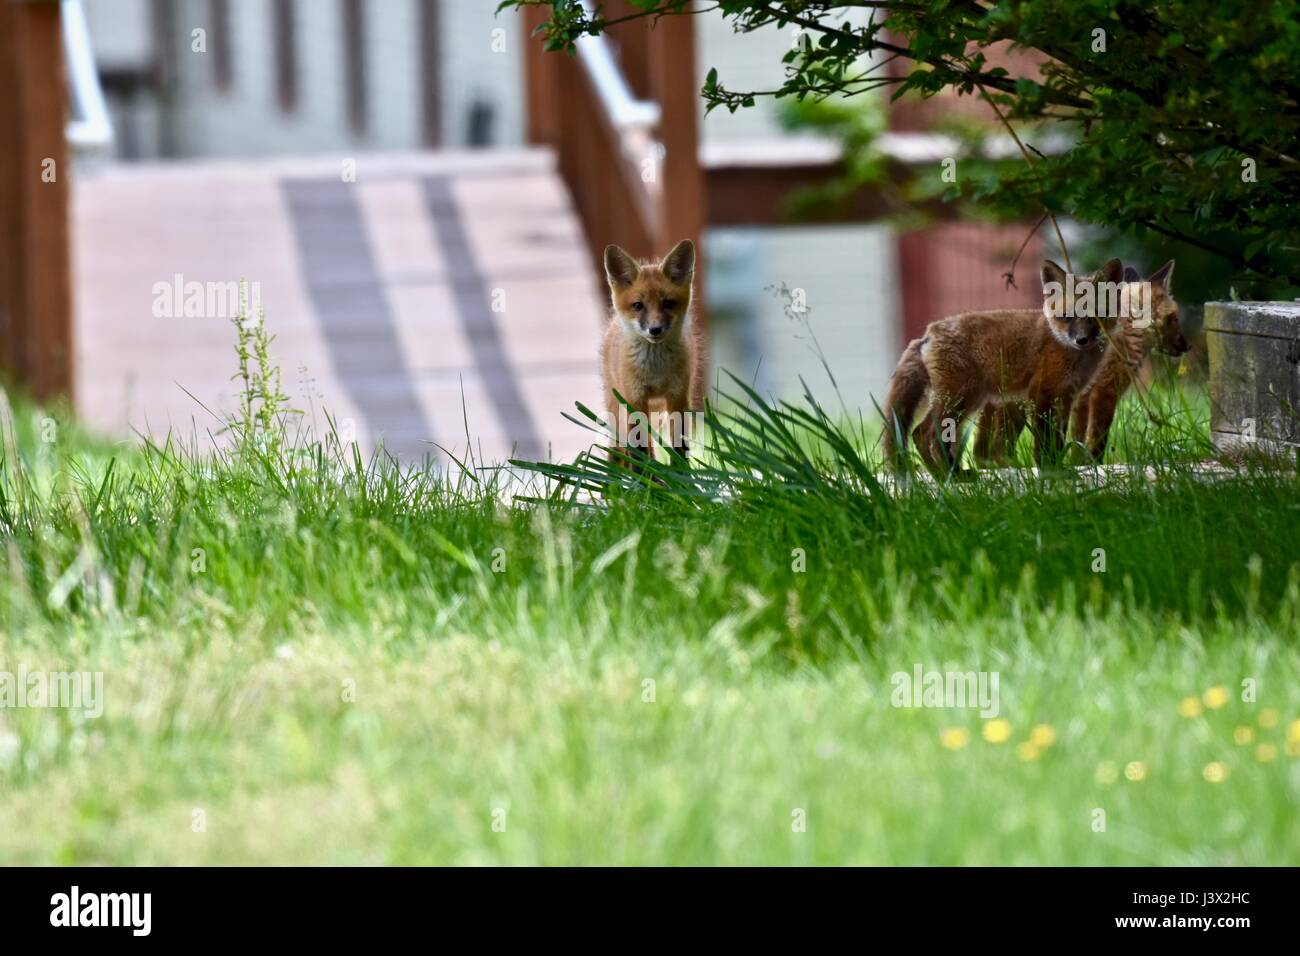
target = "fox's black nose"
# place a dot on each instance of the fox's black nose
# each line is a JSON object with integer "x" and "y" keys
{"x": 1182, "y": 345}
{"x": 1082, "y": 340}
{"x": 655, "y": 331}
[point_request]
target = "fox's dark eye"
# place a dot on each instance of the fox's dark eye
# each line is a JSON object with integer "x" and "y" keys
{"x": 637, "y": 306}
{"x": 670, "y": 304}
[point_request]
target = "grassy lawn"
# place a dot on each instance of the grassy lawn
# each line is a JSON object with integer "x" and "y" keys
{"x": 309, "y": 658}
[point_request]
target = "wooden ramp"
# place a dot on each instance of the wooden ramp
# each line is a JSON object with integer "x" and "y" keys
{"x": 437, "y": 288}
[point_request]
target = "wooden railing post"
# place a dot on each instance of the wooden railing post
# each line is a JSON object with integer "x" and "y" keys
{"x": 35, "y": 256}
{"x": 675, "y": 86}
{"x": 541, "y": 83}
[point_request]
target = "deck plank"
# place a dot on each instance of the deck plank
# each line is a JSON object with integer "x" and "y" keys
{"x": 437, "y": 285}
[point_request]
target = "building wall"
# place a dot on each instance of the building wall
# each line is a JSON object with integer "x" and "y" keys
{"x": 847, "y": 274}
{"x": 479, "y": 67}
{"x": 120, "y": 31}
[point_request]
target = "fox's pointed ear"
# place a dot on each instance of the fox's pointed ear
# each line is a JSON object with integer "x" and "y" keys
{"x": 679, "y": 264}
{"x": 1112, "y": 271}
{"x": 1132, "y": 275}
{"x": 1051, "y": 272}
{"x": 620, "y": 268}
{"x": 1164, "y": 276}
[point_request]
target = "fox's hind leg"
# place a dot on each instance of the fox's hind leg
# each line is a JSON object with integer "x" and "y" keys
{"x": 907, "y": 389}
{"x": 942, "y": 428}
{"x": 950, "y": 427}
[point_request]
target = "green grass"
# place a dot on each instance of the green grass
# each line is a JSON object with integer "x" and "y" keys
{"x": 341, "y": 661}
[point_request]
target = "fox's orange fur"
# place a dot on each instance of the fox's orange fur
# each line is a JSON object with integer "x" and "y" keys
{"x": 964, "y": 362}
{"x": 652, "y": 351}
{"x": 1130, "y": 344}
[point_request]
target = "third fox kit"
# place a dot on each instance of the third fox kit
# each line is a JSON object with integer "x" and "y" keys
{"x": 652, "y": 351}
{"x": 966, "y": 361}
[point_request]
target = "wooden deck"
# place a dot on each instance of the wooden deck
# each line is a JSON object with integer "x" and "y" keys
{"x": 436, "y": 288}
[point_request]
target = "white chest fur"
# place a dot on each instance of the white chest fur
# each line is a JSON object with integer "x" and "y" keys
{"x": 662, "y": 365}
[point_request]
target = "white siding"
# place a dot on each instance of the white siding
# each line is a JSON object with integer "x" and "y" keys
{"x": 471, "y": 70}
{"x": 847, "y": 272}
{"x": 119, "y": 31}
{"x": 393, "y": 62}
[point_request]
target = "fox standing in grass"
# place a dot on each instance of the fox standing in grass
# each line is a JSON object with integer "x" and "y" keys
{"x": 964, "y": 362}
{"x": 1159, "y": 328}
{"x": 1149, "y": 321}
{"x": 652, "y": 351}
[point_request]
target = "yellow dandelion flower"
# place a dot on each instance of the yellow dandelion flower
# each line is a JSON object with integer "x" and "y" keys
{"x": 1269, "y": 717}
{"x": 1107, "y": 773}
{"x": 1293, "y": 731}
{"x": 1215, "y": 697}
{"x": 1215, "y": 772}
{"x": 1136, "y": 771}
{"x": 1028, "y": 751}
{"x": 997, "y": 731}
{"x": 1189, "y": 707}
{"x": 1043, "y": 735}
{"x": 1244, "y": 736}
{"x": 1265, "y": 753}
{"x": 954, "y": 738}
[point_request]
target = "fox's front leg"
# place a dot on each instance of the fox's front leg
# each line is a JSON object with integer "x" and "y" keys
{"x": 989, "y": 437}
{"x": 1051, "y": 420}
{"x": 1079, "y": 418}
{"x": 631, "y": 434}
{"x": 1101, "y": 414}
{"x": 999, "y": 427}
{"x": 679, "y": 423}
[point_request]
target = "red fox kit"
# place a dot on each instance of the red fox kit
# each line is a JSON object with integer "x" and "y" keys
{"x": 652, "y": 352}
{"x": 966, "y": 361}
{"x": 1156, "y": 327}
{"x": 1148, "y": 321}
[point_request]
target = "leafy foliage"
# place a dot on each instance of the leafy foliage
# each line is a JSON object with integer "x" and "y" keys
{"x": 1183, "y": 115}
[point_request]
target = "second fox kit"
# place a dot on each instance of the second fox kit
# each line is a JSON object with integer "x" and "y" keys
{"x": 964, "y": 362}
{"x": 652, "y": 351}
{"x": 1155, "y": 327}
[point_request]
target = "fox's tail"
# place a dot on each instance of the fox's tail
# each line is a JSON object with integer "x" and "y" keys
{"x": 907, "y": 387}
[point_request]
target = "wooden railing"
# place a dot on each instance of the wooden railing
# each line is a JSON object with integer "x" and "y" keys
{"x": 621, "y": 116}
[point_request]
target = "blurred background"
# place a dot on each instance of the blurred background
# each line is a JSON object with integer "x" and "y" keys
{"x": 417, "y": 195}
